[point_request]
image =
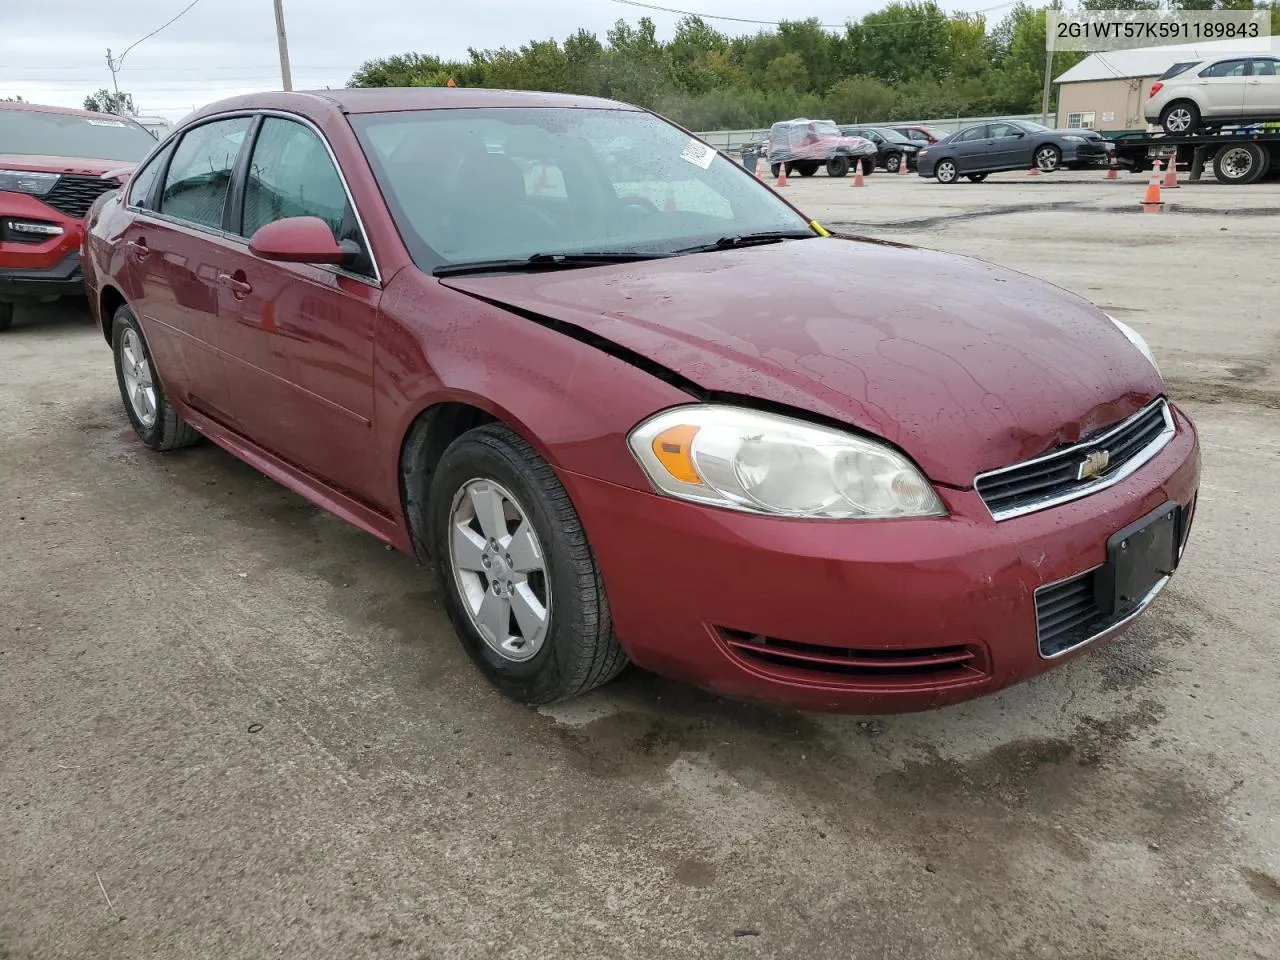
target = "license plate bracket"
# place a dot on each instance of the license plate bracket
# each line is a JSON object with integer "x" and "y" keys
{"x": 1139, "y": 557}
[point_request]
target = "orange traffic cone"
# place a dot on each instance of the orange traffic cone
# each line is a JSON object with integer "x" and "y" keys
{"x": 857, "y": 177}
{"x": 1151, "y": 202}
{"x": 759, "y": 171}
{"x": 1171, "y": 173}
{"x": 902, "y": 166}
{"x": 1112, "y": 174}
{"x": 1034, "y": 172}
{"x": 782, "y": 174}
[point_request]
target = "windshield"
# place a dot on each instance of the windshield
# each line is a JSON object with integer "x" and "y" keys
{"x": 36, "y": 133}
{"x": 473, "y": 185}
{"x": 1030, "y": 126}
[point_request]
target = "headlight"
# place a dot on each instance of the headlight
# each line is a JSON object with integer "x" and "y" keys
{"x": 1074, "y": 139}
{"x": 1136, "y": 339}
{"x": 762, "y": 463}
{"x": 20, "y": 181}
{"x": 922, "y": 152}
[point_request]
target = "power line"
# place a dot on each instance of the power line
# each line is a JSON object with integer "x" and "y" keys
{"x": 120, "y": 59}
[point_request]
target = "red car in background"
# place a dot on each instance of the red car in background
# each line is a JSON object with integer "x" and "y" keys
{"x": 921, "y": 135}
{"x": 52, "y": 162}
{"x": 645, "y": 412}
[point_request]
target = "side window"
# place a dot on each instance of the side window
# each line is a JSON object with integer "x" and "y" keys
{"x": 195, "y": 189}
{"x": 1228, "y": 68}
{"x": 291, "y": 175}
{"x": 1001, "y": 130}
{"x": 974, "y": 133}
{"x": 140, "y": 183}
{"x": 1264, "y": 68}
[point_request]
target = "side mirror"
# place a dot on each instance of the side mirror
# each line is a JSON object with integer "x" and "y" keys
{"x": 301, "y": 240}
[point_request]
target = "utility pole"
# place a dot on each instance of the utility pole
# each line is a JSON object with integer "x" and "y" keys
{"x": 1048, "y": 68}
{"x": 284, "y": 46}
{"x": 111, "y": 65}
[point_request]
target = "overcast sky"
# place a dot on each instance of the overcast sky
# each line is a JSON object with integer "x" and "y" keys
{"x": 56, "y": 52}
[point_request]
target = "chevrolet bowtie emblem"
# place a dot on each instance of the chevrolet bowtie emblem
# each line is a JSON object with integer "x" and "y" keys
{"x": 1094, "y": 465}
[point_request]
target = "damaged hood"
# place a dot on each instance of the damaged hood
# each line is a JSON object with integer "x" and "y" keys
{"x": 964, "y": 365}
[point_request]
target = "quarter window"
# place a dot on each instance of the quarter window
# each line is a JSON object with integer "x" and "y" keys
{"x": 195, "y": 189}
{"x": 1264, "y": 68}
{"x": 291, "y": 175}
{"x": 140, "y": 183}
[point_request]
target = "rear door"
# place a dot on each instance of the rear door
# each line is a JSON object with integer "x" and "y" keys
{"x": 173, "y": 250}
{"x": 1222, "y": 87}
{"x": 1010, "y": 148}
{"x": 971, "y": 149}
{"x": 300, "y": 344}
{"x": 1262, "y": 89}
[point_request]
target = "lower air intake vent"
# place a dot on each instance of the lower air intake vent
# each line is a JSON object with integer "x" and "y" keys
{"x": 858, "y": 666}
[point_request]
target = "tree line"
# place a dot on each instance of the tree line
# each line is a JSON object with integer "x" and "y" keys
{"x": 909, "y": 60}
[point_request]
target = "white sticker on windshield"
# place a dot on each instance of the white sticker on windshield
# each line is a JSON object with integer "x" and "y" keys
{"x": 108, "y": 123}
{"x": 698, "y": 153}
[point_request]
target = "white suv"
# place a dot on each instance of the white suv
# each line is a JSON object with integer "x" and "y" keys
{"x": 1215, "y": 93}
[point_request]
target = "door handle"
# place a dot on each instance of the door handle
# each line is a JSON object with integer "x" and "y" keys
{"x": 139, "y": 249}
{"x": 239, "y": 288}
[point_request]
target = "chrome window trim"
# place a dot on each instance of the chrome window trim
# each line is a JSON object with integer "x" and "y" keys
{"x": 1124, "y": 621}
{"x": 1135, "y": 463}
{"x": 375, "y": 281}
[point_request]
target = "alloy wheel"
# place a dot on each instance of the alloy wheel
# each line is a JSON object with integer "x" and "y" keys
{"x": 1178, "y": 120}
{"x": 138, "y": 380}
{"x": 500, "y": 569}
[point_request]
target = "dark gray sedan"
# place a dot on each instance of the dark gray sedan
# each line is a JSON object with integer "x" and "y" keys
{"x": 997, "y": 145}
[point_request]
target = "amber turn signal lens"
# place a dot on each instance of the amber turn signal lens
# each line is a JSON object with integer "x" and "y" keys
{"x": 674, "y": 449}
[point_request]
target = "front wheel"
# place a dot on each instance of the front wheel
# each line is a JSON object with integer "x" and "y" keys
{"x": 1048, "y": 158}
{"x": 519, "y": 579}
{"x": 154, "y": 419}
{"x": 6, "y": 315}
{"x": 892, "y": 162}
{"x": 946, "y": 171}
{"x": 976, "y": 177}
{"x": 838, "y": 167}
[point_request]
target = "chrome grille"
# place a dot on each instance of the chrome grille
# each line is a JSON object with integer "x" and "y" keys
{"x": 1057, "y": 477}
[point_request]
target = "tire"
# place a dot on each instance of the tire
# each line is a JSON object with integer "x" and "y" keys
{"x": 6, "y": 315}
{"x": 892, "y": 162}
{"x": 838, "y": 167}
{"x": 946, "y": 171}
{"x": 976, "y": 177}
{"x": 137, "y": 376}
{"x": 775, "y": 169}
{"x": 1048, "y": 158}
{"x": 574, "y": 648}
{"x": 1240, "y": 163}
{"x": 808, "y": 168}
{"x": 1179, "y": 117}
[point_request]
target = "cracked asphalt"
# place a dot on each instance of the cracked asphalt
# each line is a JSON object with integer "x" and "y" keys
{"x": 232, "y": 726}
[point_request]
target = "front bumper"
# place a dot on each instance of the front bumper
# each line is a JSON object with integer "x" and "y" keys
{"x": 63, "y": 279}
{"x": 1088, "y": 153}
{"x": 747, "y": 606}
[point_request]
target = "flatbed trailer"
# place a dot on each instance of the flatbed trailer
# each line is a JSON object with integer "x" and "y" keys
{"x": 1238, "y": 156}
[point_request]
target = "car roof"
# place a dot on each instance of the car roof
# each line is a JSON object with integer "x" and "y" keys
{"x": 46, "y": 108}
{"x": 355, "y": 100}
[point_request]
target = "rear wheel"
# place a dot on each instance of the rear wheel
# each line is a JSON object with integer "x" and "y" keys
{"x": 1240, "y": 163}
{"x": 1180, "y": 117}
{"x": 838, "y": 167}
{"x": 6, "y": 315}
{"x": 154, "y": 419}
{"x": 976, "y": 177}
{"x": 519, "y": 579}
{"x": 946, "y": 171}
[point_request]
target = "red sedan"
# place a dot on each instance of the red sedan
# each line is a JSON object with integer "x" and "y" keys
{"x": 633, "y": 406}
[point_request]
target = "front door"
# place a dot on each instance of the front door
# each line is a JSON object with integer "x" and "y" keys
{"x": 1222, "y": 87}
{"x": 972, "y": 149}
{"x": 1011, "y": 148}
{"x": 174, "y": 252}
{"x": 1262, "y": 89}
{"x": 300, "y": 347}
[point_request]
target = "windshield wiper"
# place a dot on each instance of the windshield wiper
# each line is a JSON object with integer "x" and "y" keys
{"x": 750, "y": 240}
{"x": 544, "y": 261}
